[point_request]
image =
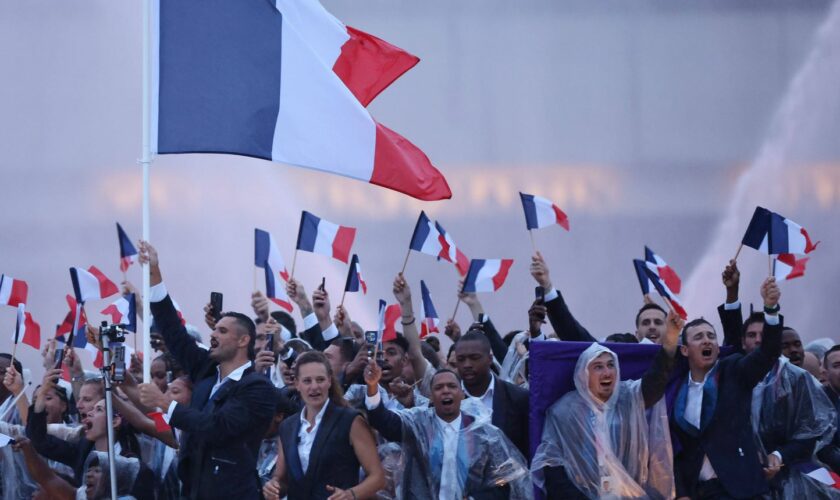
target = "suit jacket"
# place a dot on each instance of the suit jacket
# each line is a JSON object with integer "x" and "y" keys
{"x": 332, "y": 460}
{"x": 565, "y": 325}
{"x": 221, "y": 435}
{"x": 510, "y": 413}
{"x": 497, "y": 345}
{"x": 830, "y": 454}
{"x": 728, "y": 439}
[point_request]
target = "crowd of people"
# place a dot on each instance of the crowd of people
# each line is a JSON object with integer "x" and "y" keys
{"x": 270, "y": 410}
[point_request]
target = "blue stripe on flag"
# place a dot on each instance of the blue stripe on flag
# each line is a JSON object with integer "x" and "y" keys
{"x": 777, "y": 240}
{"x": 757, "y": 229}
{"x": 262, "y": 245}
{"x": 530, "y": 211}
{"x": 428, "y": 307}
{"x": 472, "y": 275}
{"x": 421, "y": 233}
{"x": 353, "y": 284}
{"x": 77, "y": 290}
{"x": 308, "y": 232}
{"x": 219, "y": 76}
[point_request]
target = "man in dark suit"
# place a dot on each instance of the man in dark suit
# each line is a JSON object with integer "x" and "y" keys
{"x": 717, "y": 455}
{"x": 231, "y": 407}
{"x": 507, "y": 402}
{"x": 830, "y": 454}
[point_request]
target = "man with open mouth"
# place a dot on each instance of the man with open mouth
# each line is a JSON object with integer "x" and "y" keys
{"x": 791, "y": 413}
{"x": 711, "y": 418}
{"x": 448, "y": 453}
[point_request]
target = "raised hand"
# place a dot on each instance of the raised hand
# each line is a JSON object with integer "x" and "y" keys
{"x": 539, "y": 271}
{"x": 148, "y": 255}
{"x": 452, "y": 330}
{"x": 209, "y": 316}
{"x": 731, "y": 278}
{"x": 13, "y": 380}
{"x": 402, "y": 292}
{"x": 321, "y": 306}
{"x": 536, "y": 317}
{"x": 373, "y": 374}
{"x": 296, "y": 292}
{"x": 674, "y": 325}
{"x": 770, "y": 293}
{"x": 259, "y": 303}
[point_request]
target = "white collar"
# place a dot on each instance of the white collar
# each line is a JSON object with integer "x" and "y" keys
{"x": 691, "y": 381}
{"x": 489, "y": 390}
{"x": 304, "y": 424}
{"x": 454, "y": 425}
{"x": 235, "y": 375}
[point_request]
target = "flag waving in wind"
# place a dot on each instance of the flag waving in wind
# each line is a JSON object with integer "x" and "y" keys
{"x": 123, "y": 311}
{"x": 541, "y": 212}
{"x": 664, "y": 291}
{"x": 663, "y": 270}
{"x": 264, "y": 79}
{"x": 787, "y": 267}
{"x": 127, "y": 250}
{"x": 354, "y": 277}
{"x": 775, "y": 234}
{"x": 451, "y": 252}
{"x": 324, "y": 237}
{"x": 268, "y": 258}
{"x": 486, "y": 275}
{"x": 91, "y": 284}
{"x": 12, "y": 291}
{"x": 641, "y": 274}
{"x": 74, "y": 324}
{"x": 429, "y": 318}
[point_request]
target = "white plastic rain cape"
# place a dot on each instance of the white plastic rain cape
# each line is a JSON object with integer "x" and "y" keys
{"x": 127, "y": 470}
{"x": 610, "y": 450}
{"x": 486, "y": 458}
{"x": 790, "y": 404}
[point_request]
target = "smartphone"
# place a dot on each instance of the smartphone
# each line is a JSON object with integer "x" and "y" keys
{"x": 59, "y": 357}
{"x": 216, "y": 305}
{"x": 169, "y": 377}
{"x": 269, "y": 342}
{"x": 540, "y": 294}
{"x": 370, "y": 341}
{"x": 323, "y": 284}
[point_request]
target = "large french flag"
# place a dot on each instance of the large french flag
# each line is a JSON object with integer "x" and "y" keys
{"x": 787, "y": 267}
{"x": 354, "y": 277}
{"x": 123, "y": 311}
{"x": 12, "y": 291}
{"x": 541, "y": 212}
{"x": 486, "y": 275}
{"x": 786, "y": 236}
{"x": 268, "y": 258}
{"x": 449, "y": 251}
{"x": 127, "y": 250}
{"x": 321, "y": 236}
{"x": 429, "y": 317}
{"x": 256, "y": 78}
{"x": 663, "y": 270}
{"x": 91, "y": 284}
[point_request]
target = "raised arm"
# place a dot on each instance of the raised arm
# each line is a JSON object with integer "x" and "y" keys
{"x": 497, "y": 345}
{"x": 402, "y": 292}
{"x": 655, "y": 379}
{"x": 565, "y": 325}
{"x": 753, "y": 367}
{"x": 36, "y": 427}
{"x": 312, "y": 332}
{"x": 730, "y": 312}
{"x": 50, "y": 483}
{"x": 388, "y": 423}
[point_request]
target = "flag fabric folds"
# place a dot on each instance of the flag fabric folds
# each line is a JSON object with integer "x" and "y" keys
{"x": 354, "y": 277}
{"x": 268, "y": 258}
{"x": 321, "y": 236}
{"x": 756, "y": 234}
{"x": 641, "y": 274}
{"x": 31, "y": 334}
{"x": 486, "y": 275}
{"x": 663, "y": 270}
{"x": 429, "y": 319}
{"x": 786, "y": 236}
{"x": 365, "y": 63}
{"x": 12, "y": 291}
{"x": 127, "y": 250}
{"x": 665, "y": 292}
{"x": 541, "y": 212}
{"x": 425, "y": 238}
{"x": 254, "y": 79}
{"x": 787, "y": 267}
{"x": 392, "y": 314}
{"x": 123, "y": 311}
{"x": 449, "y": 251}
{"x": 74, "y": 324}
{"x": 91, "y": 284}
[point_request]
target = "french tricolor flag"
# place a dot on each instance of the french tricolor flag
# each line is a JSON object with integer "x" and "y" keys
{"x": 486, "y": 275}
{"x": 663, "y": 270}
{"x": 449, "y": 251}
{"x": 664, "y": 291}
{"x": 127, "y": 250}
{"x": 74, "y": 324}
{"x": 821, "y": 474}
{"x": 541, "y": 212}
{"x": 388, "y": 325}
{"x": 91, "y": 284}
{"x": 354, "y": 277}
{"x": 425, "y": 238}
{"x": 641, "y": 274}
{"x": 786, "y": 236}
{"x": 123, "y": 311}
{"x": 430, "y": 320}
{"x": 12, "y": 291}
{"x": 26, "y": 329}
{"x": 756, "y": 234}
{"x": 269, "y": 80}
{"x": 268, "y": 258}
{"x": 787, "y": 267}
{"x": 324, "y": 237}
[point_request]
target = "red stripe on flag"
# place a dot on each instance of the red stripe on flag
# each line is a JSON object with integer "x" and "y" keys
{"x": 400, "y": 165}
{"x": 124, "y": 263}
{"x": 343, "y": 242}
{"x": 561, "y": 217}
{"x": 19, "y": 294}
{"x": 797, "y": 265}
{"x": 160, "y": 422}
{"x": 808, "y": 245}
{"x": 106, "y": 286}
{"x": 670, "y": 278}
{"x": 501, "y": 276}
{"x": 368, "y": 65}
{"x": 392, "y": 314}
{"x": 463, "y": 263}
{"x": 285, "y": 305}
{"x": 32, "y": 334}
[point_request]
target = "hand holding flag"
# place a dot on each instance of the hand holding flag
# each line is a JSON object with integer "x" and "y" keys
{"x": 428, "y": 314}
{"x": 354, "y": 279}
{"x": 127, "y": 250}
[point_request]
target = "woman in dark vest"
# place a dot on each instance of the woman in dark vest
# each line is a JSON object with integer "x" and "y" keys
{"x": 322, "y": 446}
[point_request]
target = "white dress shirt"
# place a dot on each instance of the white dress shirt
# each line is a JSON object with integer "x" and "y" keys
{"x": 449, "y": 487}
{"x": 235, "y": 375}
{"x": 307, "y": 436}
{"x": 693, "y": 413}
{"x": 487, "y": 397}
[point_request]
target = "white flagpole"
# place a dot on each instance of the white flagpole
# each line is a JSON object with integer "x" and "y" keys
{"x": 146, "y": 161}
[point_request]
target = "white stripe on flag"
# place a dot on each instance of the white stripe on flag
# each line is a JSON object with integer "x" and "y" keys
{"x": 545, "y": 212}
{"x": 6, "y": 290}
{"x": 326, "y": 236}
{"x": 796, "y": 240}
{"x": 325, "y": 34}
{"x": 484, "y": 280}
{"x": 88, "y": 285}
{"x": 320, "y": 124}
{"x": 432, "y": 244}
{"x": 275, "y": 260}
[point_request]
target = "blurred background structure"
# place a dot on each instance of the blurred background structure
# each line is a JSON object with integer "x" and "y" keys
{"x": 648, "y": 122}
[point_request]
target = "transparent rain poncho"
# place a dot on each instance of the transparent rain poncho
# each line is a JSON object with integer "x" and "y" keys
{"x": 513, "y": 367}
{"x": 609, "y": 450}
{"x": 486, "y": 458}
{"x": 126, "y": 468}
{"x": 789, "y": 402}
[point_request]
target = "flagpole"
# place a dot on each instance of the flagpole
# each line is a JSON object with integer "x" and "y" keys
{"x": 294, "y": 261}
{"x": 456, "y": 309}
{"x": 739, "y": 251}
{"x": 146, "y": 161}
{"x": 343, "y": 294}
{"x": 770, "y": 265}
{"x": 405, "y": 263}
{"x": 255, "y": 278}
{"x": 533, "y": 243}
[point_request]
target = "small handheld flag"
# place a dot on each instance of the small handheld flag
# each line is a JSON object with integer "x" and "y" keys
{"x": 786, "y": 236}
{"x": 787, "y": 267}
{"x": 268, "y": 257}
{"x": 324, "y": 237}
{"x": 486, "y": 275}
{"x": 91, "y": 284}
{"x": 123, "y": 311}
{"x": 541, "y": 212}
{"x": 74, "y": 324}
{"x": 354, "y": 277}
{"x": 641, "y": 274}
{"x": 449, "y": 251}
{"x": 669, "y": 297}
{"x": 127, "y": 250}
{"x": 756, "y": 233}
{"x": 392, "y": 315}
{"x": 12, "y": 291}
{"x": 428, "y": 314}
{"x": 663, "y": 270}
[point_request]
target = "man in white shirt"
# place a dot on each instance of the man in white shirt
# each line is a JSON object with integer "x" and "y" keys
{"x": 231, "y": 407}
{"x": 449, "y": 454}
